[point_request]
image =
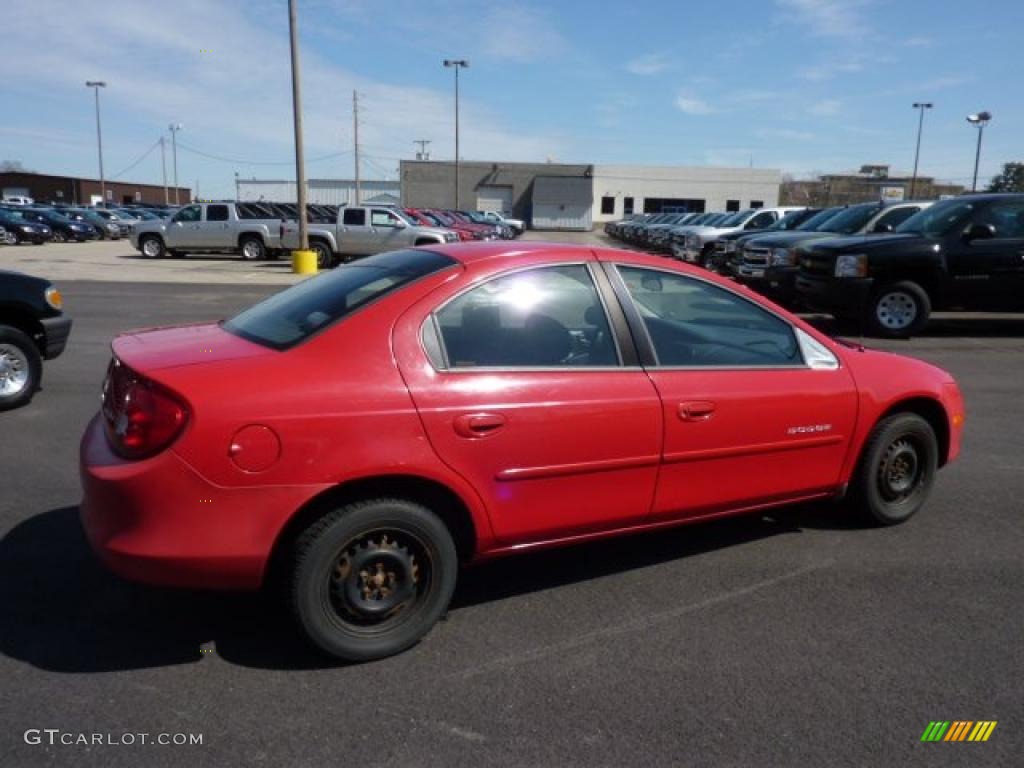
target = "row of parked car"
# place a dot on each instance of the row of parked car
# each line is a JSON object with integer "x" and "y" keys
{"x": 38, "y": 224}
{"x": 885, "y": 265}
{"x": 259, "y": 230}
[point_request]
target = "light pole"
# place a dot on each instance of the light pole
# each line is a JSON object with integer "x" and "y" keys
{"x": 457, "y": 64}
{"x": 920, "y": 106}
{"x": 163, "y": 169}
{"x": 981, "y": 120}
{"x": 96, "y": 85}
{"x": 174, "y": 128}
{"x": 303, "y": 261}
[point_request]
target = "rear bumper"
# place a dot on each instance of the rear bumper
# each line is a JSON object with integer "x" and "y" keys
{"x": 158, "y": 521}
{"x": 55, "y": 335}
{"x": 847, "y": 294}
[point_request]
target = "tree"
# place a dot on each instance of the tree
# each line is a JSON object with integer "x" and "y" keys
{"x": 14, "y": 166}
{"x": 1010, "y": 180}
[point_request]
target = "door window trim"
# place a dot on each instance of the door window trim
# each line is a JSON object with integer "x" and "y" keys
{"x": 437, "y": 354}
{"x": 645, "y": 346}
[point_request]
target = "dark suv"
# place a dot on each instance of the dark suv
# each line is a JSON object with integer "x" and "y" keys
{"x": 965, "y": 253}
{"x": 33, "y": 326}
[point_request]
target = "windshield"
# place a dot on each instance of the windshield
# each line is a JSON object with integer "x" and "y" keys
{"x": 789, "y": 222}
{"x": 852, "y": 219}
{"x": 405, "y": 216}
{"x": 288, "y": 317}
{"x": 938, "y": 219}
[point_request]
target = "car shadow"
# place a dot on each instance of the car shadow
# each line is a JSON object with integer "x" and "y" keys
{"x": 63, "y": 612}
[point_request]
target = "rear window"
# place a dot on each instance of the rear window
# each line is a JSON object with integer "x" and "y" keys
{"x": 291, "y": 316}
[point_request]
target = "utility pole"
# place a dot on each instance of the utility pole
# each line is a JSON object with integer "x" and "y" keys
{"x": 174, "y": 128}
{"x": 355, "y": 139}
{"x": 423, "y": 154}
{"x": 163, "y": 166}
{"x": 96, "y": 85}
{"x": 299, "y": 258}
{"x": 920, "y": 106}
{"x": 196, "y": 196}
{"x": 457, "y": 64}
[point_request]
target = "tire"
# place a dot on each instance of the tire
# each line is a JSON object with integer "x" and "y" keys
{"x": 21, "y": 368}
{"x": 152, "y": 247}
{"x": 252, "y": 249}
{"x": 11, "y": 238}
{"x": 324, "y": 255}
{"x": 327, "y": 583}
{"x": 898, "y": 310}
{"x": 897, "y": 469}
{"x": 58, "y": 237}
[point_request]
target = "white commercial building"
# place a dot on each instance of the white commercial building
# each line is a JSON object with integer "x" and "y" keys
{"x": 621, "y": 190}
{"x": 319, "y": 191}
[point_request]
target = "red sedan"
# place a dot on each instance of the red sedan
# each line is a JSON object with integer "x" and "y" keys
{"x": 361, "y": 434}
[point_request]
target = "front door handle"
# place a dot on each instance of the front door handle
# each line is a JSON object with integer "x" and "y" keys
{"x": 696, "y": 410}
{"x": 478, "y": 424}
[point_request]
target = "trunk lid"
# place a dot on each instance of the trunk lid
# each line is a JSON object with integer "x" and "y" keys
{"x": 153, "y": 349}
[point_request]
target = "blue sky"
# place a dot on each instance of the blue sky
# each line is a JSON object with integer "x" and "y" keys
{"x": 800, "y": 85}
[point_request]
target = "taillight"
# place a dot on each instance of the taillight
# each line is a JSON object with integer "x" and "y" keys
{"x": 141, "y": 417}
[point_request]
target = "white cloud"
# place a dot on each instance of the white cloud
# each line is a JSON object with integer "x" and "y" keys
{"x": 649, "y": 64}
{"x": 828, "y": 18}
{"x": 236, "y": 99}
{"x": 692, "y": 105}
{"x": 825, "y": 107}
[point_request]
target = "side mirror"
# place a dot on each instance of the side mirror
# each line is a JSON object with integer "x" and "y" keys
{"x": 979, "y": 232}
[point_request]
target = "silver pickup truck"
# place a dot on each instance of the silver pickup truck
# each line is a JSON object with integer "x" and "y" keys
{"x": 250, "y": 229}
{"x": 363, "y": 230}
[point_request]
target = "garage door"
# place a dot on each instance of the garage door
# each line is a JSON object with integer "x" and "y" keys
{"x": 494, "y": 198}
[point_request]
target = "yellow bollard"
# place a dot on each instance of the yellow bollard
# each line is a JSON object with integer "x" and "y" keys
{"x": 304, "y": 262}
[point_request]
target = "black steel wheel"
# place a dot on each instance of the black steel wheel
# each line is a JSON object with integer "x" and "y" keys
{"x": 897, "y": 469}
{"x": 370, "y": 579}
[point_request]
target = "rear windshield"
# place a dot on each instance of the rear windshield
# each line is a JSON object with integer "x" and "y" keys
{"x": 289, "y": 317}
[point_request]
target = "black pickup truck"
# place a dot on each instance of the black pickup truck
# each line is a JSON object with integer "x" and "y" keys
{"x": 964, "y": 253}
{"x": 33, "y": 326}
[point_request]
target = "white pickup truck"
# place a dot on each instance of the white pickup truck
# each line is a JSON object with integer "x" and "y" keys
{"x": 250, "y": 229}
{"x": 363, "y": 230}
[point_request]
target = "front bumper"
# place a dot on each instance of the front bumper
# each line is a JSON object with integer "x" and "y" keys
{"x": 778, "y": 283}
{"x": 55, "y": 335}
{"x": 159, "y": 521}
{"x": 833, "y": 294}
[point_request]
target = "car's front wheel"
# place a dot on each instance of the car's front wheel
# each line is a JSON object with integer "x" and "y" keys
{"x": 152, "y": 247}
{"x": 21, "y": 368}
{"x": 253, "y": 249}
{"x": 370, "y": 579}
{"x": 324, "y": 255}
{"x": 897, "y": 469}
{"x": 898, "y": 309}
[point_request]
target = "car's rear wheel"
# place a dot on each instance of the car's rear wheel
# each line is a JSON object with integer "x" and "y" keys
{"x": 898, "y": 309}
{"x": 253, "y": 249}
{"x": 897, "y": 469}
{"x": 370, "y": 579}
{"x": 324, "y": 255}
{"x": 152, "y": 247}
{"x": 21, "y": 368}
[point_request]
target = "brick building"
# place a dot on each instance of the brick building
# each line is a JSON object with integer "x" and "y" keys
{"x": 46, "y": 188}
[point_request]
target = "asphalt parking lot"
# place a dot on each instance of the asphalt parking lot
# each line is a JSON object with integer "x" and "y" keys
{"x": 796, "y": 638}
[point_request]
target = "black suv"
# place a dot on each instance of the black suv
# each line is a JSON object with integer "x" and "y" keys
{"x": 33, "y": 326}
{"x": 964, "y": 253}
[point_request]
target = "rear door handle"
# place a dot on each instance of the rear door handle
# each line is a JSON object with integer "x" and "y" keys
{"x": 696, "y": 410}
{"x": 478, "y": 424}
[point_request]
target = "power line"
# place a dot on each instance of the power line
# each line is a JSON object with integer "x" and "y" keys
{"x": 236, "y": 161}
{"x": 138, "y": 160}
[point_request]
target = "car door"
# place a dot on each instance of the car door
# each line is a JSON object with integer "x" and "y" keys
{"x": 755, "y": 410}
{"x": 528, "y": 394}
{"x": 183, "y": 228}
{"x": 388, "y": 230}
{"x": 355, "y": 235}
{"x": 215, "y": 229}
{"x": 986, "y": 259}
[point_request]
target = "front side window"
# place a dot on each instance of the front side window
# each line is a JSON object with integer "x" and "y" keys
{"x": 383, "y": 219}
{"x": 188, "y": 214}
{"x": 694, "y": 323}
{"x": 892, "y": 219}
{"x": 761, "y": 220}
{"x": 538, "y": 318}
{"x": 354, "y": 217}
{"x": 216, "y": 213}
{"x": 289, "y": 317}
